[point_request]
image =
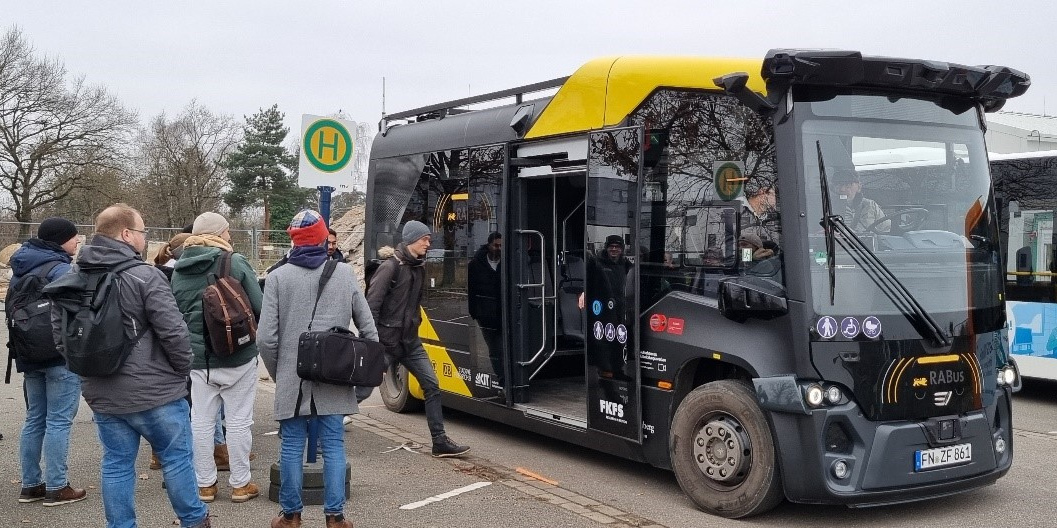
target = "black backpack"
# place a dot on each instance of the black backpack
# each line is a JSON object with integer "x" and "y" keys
{"x": 93, "y": 329}
{"x": 29, "y": 317}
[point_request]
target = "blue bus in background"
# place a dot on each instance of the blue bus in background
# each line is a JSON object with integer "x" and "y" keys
{"x": 1026, "y": 192}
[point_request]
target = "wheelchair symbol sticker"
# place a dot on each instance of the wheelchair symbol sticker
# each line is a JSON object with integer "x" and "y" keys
{"x": 596, "y": 307}
{"x": 611, "y": 331}
{"x": 826, "y": 327}
{"x": 849, "y": 327}
{"x": 599, "y": 331}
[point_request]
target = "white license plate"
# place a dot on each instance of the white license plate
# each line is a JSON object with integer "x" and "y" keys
{"x": 943, "y": 456}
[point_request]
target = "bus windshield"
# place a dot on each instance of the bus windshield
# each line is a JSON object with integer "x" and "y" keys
{"x": 910, "y": 179}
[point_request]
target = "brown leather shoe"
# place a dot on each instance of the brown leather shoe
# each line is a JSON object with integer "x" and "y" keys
{"x": 287, "y": 520}
{"x": 220, "y": 456}
{"x": 154, "y": 462}
{"x": 32, "y": 493}
{"x": 208, "y": 493}
{"x": 64, "y": 496}
{"x": 338, "y": 520}
{"x": 245, "y": 493}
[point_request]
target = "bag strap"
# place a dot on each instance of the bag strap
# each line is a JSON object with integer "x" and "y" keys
{"x": 328, "y": 270}
{"x": 47, "y": 268}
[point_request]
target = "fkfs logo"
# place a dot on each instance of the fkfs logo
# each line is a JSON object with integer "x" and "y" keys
{"x": 611, "y": 408}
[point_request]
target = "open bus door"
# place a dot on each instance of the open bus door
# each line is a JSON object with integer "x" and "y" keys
{"x": 614, "y": 172}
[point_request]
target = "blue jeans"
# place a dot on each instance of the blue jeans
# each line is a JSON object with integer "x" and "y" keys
{"x": 417, "y": 363}
{"x": 52, "y": 397}
{"x": 292, "y": 456}
{"x": 168, "y": 430}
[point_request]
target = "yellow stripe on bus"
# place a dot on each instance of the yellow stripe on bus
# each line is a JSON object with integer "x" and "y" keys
{"x": 928, "y": 360}
{"x": 604, "y": 91}
{"x": 439, "y": 356}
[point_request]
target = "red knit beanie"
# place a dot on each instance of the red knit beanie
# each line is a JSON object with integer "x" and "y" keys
{"x": 307, "y": 229}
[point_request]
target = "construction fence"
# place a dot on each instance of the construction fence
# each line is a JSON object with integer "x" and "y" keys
{"x": 262, "y": 248}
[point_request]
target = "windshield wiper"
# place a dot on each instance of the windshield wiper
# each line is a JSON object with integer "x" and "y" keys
{"x": 889, "y": 284}
{"x": 827, "y": 221}
{"x": 883, "y": 277}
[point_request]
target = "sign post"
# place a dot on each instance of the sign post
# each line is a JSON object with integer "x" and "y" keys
{"x": 327, "y": 145}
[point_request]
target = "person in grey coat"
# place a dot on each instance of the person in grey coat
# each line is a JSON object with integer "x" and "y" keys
{"x": 289, "y": 302}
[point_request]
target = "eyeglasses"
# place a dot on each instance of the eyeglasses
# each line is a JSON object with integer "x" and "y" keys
{"x": 144, "y": 230}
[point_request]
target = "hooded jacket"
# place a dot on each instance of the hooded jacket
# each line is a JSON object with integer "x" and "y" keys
{"x": 156, "y": 370}
{"x": 33, "y": 254}
{"x": 394, "y": 296}
{"x": 190, "y": 278}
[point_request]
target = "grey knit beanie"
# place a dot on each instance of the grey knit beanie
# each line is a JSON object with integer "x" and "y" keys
{"x": 413, "y": 231}
{"x": 209, "y": 223}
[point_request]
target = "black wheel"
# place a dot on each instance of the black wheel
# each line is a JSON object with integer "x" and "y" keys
{"x": 722, "y": 451}
{"x": 394, "y": 390}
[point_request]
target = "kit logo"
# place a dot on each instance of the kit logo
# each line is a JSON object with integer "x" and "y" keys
{"x": 942, "y": 398}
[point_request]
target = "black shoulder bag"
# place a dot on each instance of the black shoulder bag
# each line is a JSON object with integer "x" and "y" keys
{"x": 337, "y": 356}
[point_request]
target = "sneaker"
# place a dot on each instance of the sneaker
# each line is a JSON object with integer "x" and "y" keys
{"x": 208, "y": 493}
{"x": 64, "y": 496}
{"x": 346, "y": 420}
{"x": 245, "y": 493}
{"x": 32, "y": 494}
{"x": 443, "y": 447}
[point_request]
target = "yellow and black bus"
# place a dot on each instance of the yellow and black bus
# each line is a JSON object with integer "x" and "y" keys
{"x": 693, "y": 273}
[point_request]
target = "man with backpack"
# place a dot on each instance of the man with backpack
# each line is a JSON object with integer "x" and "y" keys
{"x": 132, "y": 350}
{"x": 52, "y": 391}
{"x": 213, "y": 284}
{"x": 394, "y": 295}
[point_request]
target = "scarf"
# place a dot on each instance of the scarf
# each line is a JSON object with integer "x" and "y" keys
{"x": 208, "y": 241}
{"x": 310, "y": 257}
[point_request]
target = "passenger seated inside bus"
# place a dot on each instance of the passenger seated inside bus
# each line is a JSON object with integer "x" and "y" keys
{"x": 758, "y": 257}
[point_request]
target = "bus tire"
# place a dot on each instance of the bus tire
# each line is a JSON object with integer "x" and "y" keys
{"x": 396, "y": 395}
{"x": 722, "y": 451}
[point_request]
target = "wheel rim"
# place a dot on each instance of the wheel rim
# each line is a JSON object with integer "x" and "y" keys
{"x": 395, "y": 380}
{"x": 722, "y": 450}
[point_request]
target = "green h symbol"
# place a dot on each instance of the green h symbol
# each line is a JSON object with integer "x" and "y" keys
{"x": 324, "y": 145}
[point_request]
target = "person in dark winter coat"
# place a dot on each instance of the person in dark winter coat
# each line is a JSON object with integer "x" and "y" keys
{"x": 145, "y": 397}
{"x": 395, "y": 294}
{"x": 52, "y": 391}
{"x": 290, "y": 308}
{"x": 485, "y": 298}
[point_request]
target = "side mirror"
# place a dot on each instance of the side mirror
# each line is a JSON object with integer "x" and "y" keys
{"x": 743, "y": 297}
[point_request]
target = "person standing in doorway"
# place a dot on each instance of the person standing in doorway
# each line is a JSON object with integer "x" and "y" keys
{"x": 485, "y": 299}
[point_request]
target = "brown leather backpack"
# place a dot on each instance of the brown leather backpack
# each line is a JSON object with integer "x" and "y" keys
{"x": 227, "y": 315}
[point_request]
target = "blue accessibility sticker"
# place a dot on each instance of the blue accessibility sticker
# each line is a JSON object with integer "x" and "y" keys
{"x": 596, "y": 307}
{"x": 871, "y": 327}
{"x": 826, "y": 327}
{"x": 849, "y": 327}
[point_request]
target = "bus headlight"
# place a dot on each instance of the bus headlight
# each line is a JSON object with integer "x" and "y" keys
{"x": 840, "y": 469}
{"x": 814, "y": 395}
{"x": 833, "y": 395}
{"x": 1008, "y": 376}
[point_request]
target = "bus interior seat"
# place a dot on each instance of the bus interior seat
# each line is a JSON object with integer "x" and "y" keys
{"x": 570, "y": 287}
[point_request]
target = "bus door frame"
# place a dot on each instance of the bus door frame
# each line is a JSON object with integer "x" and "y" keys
{"x": 613, "y": 376}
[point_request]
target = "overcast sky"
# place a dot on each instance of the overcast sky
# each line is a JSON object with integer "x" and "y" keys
{"x": 319, "y": 56}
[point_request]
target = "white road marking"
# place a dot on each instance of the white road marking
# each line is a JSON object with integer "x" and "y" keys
{"x": 442, "y": 496}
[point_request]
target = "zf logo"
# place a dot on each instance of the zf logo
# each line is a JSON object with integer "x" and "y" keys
{"x": 447, "y": 370}
{"x": 942, "y": 398}
{"x": 611, "y": 408}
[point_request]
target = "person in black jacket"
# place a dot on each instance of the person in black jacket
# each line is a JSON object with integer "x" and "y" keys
{"x": 394, "y": 295}
{"x": 485, "y": 299}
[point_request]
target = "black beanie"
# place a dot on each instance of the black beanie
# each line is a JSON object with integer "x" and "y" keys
{"x": 57, "y": 230}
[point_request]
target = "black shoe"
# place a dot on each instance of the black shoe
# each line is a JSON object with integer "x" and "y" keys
{"x": 443, "y": 447}
{"x": 32, "y": 494}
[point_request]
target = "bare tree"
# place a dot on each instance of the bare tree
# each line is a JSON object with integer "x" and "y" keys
{"x": 52, "y": 133}
{"x": 181, "y": 162}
